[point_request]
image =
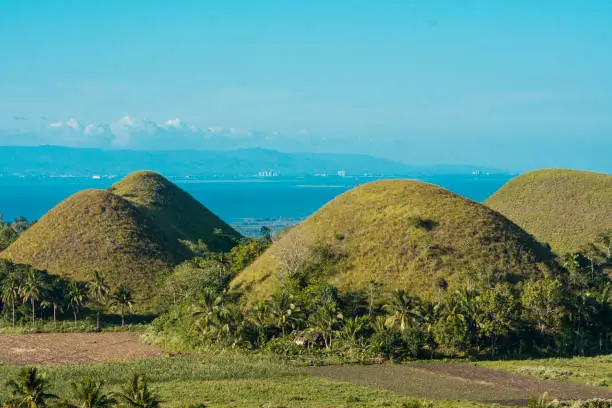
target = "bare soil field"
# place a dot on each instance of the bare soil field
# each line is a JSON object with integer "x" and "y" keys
{"x": 72, "y": 348}
{"x": 457, "y": 381}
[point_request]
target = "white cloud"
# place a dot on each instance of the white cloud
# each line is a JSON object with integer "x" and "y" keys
{"x": 131, "y": 132}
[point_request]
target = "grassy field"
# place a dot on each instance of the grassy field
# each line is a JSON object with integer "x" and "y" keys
{"x": 596, "y": 371}
{"x": 402, "y": 234}
{"x": 229, "y": 381}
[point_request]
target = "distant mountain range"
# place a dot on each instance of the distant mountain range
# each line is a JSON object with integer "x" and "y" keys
{"x": 55, "y": 161}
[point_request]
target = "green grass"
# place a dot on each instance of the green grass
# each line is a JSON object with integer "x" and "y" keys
{"x": 565, "y": 208}
{"x": 596, "y": 371}
{"x": 403, "y": 234}
{"x": 227, "y": 380}
{"x": 131, "y": 234}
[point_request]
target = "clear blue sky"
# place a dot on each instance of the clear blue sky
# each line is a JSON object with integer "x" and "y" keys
{"x": 512, "y": 84}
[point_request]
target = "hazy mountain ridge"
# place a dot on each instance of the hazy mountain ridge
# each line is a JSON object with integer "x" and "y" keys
{"x": 65, "y": 161}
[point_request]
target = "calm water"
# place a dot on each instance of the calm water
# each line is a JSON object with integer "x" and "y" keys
{"x": 233, "y": 200}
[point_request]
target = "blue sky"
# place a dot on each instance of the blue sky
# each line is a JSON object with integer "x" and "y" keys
{"x": 510, "y": 84}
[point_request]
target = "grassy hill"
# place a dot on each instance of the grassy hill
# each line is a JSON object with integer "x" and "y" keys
{"x": 176, "y": 212}
{"x": 403, "y": 234}
{"x": 565, "y": 208}
{"x": 131, "y": 240}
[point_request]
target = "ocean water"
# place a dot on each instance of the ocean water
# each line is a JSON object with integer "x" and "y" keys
{"x": 245, "y": 203}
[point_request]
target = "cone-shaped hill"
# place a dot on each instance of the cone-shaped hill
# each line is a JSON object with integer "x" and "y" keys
{"x": 176, "y": 212}
{"x": 96, "y": 230}
{"x": 565, "y": 208}
{"x": 402, "y": 234}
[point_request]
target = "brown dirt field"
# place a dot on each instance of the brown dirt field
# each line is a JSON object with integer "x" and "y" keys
{"x": 458, "y": 381}
{"x": 59, "y": 348}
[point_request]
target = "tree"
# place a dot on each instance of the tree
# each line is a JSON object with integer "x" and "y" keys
{"x": 402, "y": 309}
{"x": 29, "y": 389}
{"x": 542, "y": 301}
{"x": 136, "y": 394}
{"x": 98, "y": 291}
{"x": 604, "y": 239}
{"x": 89, "y": 393}
{"x": 7, "y": 237}
{"x": 123, "y": 300}
{"x": 11, "y": 292}
{"x": 33, "y": 289}
{"x": 283, "y": 311}
{"x": 75, "y": 296}
{"x": 496, "y": 311}
{"x": 325, "y": 320}
{"x": 57, "y": 296}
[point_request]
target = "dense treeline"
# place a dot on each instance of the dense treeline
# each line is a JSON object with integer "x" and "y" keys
{"x": 564, "y": 312}
{"x": 29, "y": 296}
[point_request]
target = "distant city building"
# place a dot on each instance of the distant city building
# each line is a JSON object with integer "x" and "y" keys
{"x": 342, "y": 173}
{"x": 267, "y": 173}
{"x": 96, "y": 177}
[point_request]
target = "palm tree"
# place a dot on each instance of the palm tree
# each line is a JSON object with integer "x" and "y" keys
{"x": 56, "y": 298}
{"x": 29, "y": 389}
{"x": 123, "y": 300}
{"x": 283, "y": 311}
{"x": 10, "y": 292}
{"x": 98, "y": 291}
{"x": 136, "y": 394}
{"x": 402, "y": 309}
{"x": 89, "y": 393}
{"x": 75, "y": 296}
{"x": 33, "y": 289}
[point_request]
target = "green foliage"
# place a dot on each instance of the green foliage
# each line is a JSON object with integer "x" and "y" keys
{"x": 137, "y": 394}
{"x": 29, "y": 389}
{"x": 7, "y": 236}
{"x": 89, "y": 393}
{"x": 565, "y": 208}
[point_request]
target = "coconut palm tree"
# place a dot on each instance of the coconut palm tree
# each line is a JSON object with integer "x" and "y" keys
{"x": 123, "y": 300}
{"x": 98, "y": 292}
{"x": 56, "y": 298}
{"x": 136, "y": 394}
{"x": 75, "y": 296}
{"x": 402, "y": 310}
{"x": 89, "y": 393}
{"x": 33, "y": 289}
{"x": 11, "y": 292}
{"x": 29, "y": 389}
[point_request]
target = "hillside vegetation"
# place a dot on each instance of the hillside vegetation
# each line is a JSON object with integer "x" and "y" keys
{"x": 401, "y": 234}
{"x": 565, "y": 208}
{"x": 131, "y": 240}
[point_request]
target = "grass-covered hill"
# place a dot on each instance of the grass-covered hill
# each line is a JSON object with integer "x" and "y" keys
{"x": 131, "y": 240}
{"x": 402, "y": 234}
{"x": 565, "y": 208}
{"x": 176, "y": 212}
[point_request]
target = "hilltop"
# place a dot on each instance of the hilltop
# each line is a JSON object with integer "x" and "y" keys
{"x": 174, "y": 211}
{"x": 129, "y": 233}
{"x": 565, "y": 208}
{"x": 403, "y": 234}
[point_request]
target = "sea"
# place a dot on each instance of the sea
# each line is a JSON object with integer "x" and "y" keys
{"x": 247, "y": 204}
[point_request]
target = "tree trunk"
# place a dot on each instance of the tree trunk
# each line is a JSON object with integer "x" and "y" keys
{"x": 98, "y": 320}
{"x": 54, "y": 315}
{"x": 122, "y": 319}
{"x": 75, "y": 318}
{"x": 33, "y": 311}
{"x": 13, "y": 313}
